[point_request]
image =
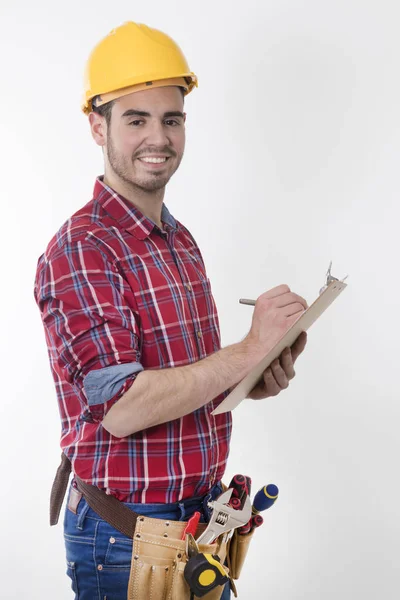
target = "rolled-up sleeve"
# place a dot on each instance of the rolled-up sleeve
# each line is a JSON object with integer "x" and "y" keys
{"x": 91, "y": 324}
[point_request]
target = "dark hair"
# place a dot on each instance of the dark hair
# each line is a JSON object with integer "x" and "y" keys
{"x": 105, "y": 109}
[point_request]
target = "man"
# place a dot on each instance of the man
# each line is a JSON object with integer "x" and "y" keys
{"x": 131, "y": 324}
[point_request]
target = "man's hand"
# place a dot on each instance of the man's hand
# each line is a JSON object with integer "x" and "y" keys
{"x": 276, "y": 378}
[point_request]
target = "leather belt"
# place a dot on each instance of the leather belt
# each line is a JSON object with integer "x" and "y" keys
{"x": 107, "y": 507}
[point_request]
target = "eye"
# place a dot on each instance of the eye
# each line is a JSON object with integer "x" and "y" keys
{"x": 136, "y": 122}
{"x": 172, "y": 122}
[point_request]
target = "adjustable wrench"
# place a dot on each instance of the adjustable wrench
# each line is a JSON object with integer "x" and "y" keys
{"x": 224, "y": 517}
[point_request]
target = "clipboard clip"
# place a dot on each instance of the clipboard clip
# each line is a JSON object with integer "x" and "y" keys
{"x": 330, "y": 278}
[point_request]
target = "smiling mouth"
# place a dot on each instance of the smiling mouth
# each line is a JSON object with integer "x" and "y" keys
{"x": 154, "y": 161}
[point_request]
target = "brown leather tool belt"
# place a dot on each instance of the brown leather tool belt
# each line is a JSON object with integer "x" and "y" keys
{"x": 159, "y": 554}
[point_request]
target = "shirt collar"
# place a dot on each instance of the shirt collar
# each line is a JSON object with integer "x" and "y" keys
{"x": 127, "y": 215}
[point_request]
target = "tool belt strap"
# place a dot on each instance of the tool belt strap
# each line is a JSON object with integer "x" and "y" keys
{"x": 107, "y": 507}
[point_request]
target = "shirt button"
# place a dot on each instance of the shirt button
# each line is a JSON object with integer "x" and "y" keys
{"x": 188, "y": 287}
{"x": 112, "y": 540}
{"x": 199, "y": 334}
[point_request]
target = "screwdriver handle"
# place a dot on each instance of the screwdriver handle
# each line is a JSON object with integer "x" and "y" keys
{"x": 235, "y": 503}
{"x": 239, "y": 484}
{"x": 265, "y": 498}
{"x": 244, "y": 529}
{"x": 256, "y": 521}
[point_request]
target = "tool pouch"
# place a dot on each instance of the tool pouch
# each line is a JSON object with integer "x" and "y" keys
{"x": 159, "y": 559}
{"x": 237, "y": 552}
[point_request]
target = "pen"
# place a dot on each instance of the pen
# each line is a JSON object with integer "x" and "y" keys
{"x": 329, "y": 279}
{"x": 247, "y": 301}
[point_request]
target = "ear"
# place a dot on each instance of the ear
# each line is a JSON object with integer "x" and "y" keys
{"x": 98, "y": 128}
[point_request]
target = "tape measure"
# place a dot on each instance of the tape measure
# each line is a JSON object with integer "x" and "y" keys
{"x": 203, "y": 573}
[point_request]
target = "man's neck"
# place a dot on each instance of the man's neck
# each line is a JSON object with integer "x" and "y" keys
{"x": 149, "y": 203}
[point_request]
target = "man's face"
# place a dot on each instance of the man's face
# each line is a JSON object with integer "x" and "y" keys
{"x": 146, "y": 137}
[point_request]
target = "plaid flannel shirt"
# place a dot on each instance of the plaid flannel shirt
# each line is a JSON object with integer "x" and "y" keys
{"x": 118, "y": 295}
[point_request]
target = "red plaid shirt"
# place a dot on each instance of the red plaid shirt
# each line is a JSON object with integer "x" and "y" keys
{"x": 117, "y": 295}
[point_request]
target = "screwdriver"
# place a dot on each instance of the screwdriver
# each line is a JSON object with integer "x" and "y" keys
{"x": 255, "y": 521}
{"x": 241, "y": 485}
{"x": 265, "y": 498}
{"x": 235, "y": 503}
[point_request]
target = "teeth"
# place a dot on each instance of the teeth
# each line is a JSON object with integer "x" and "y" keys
{"x": 149, "y": 159}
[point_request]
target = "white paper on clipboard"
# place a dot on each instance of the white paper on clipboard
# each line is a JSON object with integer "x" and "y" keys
{"x": 313, "y": 312}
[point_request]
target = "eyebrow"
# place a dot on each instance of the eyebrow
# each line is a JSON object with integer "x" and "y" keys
{"x": 141, "y": 113}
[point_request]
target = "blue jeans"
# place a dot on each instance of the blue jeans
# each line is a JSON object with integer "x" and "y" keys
{"x": 99, "y": 556}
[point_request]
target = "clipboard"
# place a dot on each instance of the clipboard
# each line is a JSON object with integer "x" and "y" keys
{"x": 312, "y": 314}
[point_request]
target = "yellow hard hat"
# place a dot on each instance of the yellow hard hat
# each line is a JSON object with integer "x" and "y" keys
{"x": 133, "y": 57}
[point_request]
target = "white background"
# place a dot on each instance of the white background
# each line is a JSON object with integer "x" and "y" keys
{"x": 292, "y": 159}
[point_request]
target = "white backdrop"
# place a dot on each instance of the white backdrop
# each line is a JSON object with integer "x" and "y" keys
{"x": 292, "y": 159}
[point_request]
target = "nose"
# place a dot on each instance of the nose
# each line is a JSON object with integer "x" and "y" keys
{"x": 157, "y": 134}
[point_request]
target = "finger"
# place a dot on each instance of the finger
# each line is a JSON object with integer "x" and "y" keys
{"x": 286, "y": 361}
{"x": 279, "y": 375}
{"x": 272, "y": 388}
{"x": 259, "y": 391}
{"x": 298, "y": 346}
{"x": 290, "y": 298}
{"x": 294, "y": 309}
{"x": 292, "y": 319}
{"x": 276, "y": 291}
